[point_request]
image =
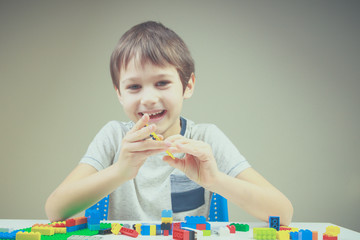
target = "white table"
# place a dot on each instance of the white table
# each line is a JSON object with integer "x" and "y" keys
{"x": 345, "y": 234}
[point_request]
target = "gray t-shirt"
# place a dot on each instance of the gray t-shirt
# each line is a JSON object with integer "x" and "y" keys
{"x": 157, "y": 185}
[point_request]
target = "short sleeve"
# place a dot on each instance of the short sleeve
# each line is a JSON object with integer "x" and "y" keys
{"x": 105, "y": 145}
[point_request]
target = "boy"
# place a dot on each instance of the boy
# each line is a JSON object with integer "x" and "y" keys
{"x": 153, "y": 72}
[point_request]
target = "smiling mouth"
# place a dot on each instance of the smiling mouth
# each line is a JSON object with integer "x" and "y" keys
{"x": 155, "y": 115}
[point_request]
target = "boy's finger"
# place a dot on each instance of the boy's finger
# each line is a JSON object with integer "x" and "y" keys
{"x": 141, "y": 134}
{"x": 149, "y": 145}
{"x": 141, "y": 123}
{"x": 193, "y": 148}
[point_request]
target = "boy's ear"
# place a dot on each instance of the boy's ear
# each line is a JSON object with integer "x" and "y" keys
{"x": 118, "y": 95}
{"x": 189, "y": 90}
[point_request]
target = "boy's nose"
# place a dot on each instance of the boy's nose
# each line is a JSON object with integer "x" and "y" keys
{"x": 149, "y": 98}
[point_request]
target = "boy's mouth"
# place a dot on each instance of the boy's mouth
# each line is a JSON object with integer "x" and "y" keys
{"x": 154, "y": 115}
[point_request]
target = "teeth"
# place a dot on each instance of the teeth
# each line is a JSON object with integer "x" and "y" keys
{"x": 152, "y": 114}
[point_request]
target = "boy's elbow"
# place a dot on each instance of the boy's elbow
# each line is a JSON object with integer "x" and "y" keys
{"x": 288, "y": 212}
{"x": 51, "y": 210}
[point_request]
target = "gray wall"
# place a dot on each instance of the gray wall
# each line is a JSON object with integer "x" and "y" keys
{"x": 280, "y": 78}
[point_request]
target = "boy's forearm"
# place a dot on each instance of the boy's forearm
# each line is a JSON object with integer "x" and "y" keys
{"x": 73, "y": 197}
{"x": 259, "y": 201}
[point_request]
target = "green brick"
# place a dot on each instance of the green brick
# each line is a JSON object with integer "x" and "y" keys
{"x": 206, "y": 233}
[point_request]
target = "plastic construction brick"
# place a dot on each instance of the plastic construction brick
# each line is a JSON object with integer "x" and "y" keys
{"x": 58, "y": 224}
{"x": 197, "y": 234}
{"x": 165, "y": 226}
{"x": 65, "y": 236}
{"x": 283, "y": 235}
{"x": 76, "y": 228}
{"x": 166, "y": 213}
{"x": 93, "y": 217}
{"x": 115, "y": 228}
{"x": 166, "y": 220}
{"x": 332, "y": 230}
{"x": 105, "y": 225}
{"x": 156, "y": 138}
{"x": 315, "y": 235}
{"x": 9, "y": 235}
{"x": 305, "y": 234}
{"x": 129, "y": 232}
{"x": 294, "y": 235}
{"x": 145, "y": 229}
{"x": 218, "y": 209}
{"x": 80, "y": 220}
{"x": 327, "y": 237}
{"x": 102, "y": 207}
{"x": 158, "y": 232}
{"x": 231, "y": 228}
{"x": 180, "y": 234}
{"x": 264, "y": 233}
{"x": 241, "y": 227}
{"x": 137, "y": 227}
{"x": 176, "y": 225}
{"x": 70, "y": 222}
{"x": 28, "y": 236}
{"x": 93, "y": 227}
{"x": 206, "y": 233}
{"x": 282, "y": 228}
{"x": 196, "y": 226}
{"x": 44, "y": 230}
{"x": 274, "y": 222}
{"x": 105, "y": 231}
{"x": 152, "y": 230}
{"x": 195, "y": 219}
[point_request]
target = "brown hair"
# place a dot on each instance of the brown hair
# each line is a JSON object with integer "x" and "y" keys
{"x": 152, "y": 42}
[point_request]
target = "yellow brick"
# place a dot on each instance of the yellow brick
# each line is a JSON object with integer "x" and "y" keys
{"x": 166, "y": 220}
{"x": 60, "y": 230}
{"x": 138, "y": 227}
{"x": 332, "y": 231}
{"x": 115, "y": 228}
{"x": 283, "y": 235}
{"x": 48, "y": 231}
{"x": 152, "y": 230}
{"x": 28, "y": 236}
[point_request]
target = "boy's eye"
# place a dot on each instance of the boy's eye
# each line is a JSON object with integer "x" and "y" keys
{"x": 162, "y": 83}
{"x": 133, "y": 86}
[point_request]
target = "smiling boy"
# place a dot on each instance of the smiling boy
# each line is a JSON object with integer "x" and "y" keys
{"x": 153, "y": 72}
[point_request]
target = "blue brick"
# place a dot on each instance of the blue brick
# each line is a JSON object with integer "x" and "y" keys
{"x": 274, "y": 222}
{"x": 305, "y": 234}
{"x": 195, "y": 219}
{"x": 145, "y": 229}
{"x": 166, "y": 213}
{"x": 294, "y": 235}
{"x": 94, "y": 227}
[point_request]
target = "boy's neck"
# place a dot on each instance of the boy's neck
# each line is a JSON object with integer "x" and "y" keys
{"x": 174, "y": 130}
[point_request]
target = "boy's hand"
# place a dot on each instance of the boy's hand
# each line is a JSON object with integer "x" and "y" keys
{"x": 198, "y": 164}
{"x": 136, "y": 146}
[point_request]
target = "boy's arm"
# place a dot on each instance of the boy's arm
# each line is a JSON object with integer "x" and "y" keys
{"x": 253, "y": 193}
{"x": 249, "y": 190}
{"x": 85, "y": 185}
{"x": 81, "y": 189}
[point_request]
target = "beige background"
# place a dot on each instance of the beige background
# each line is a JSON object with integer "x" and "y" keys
{"x": 280, "y": 78}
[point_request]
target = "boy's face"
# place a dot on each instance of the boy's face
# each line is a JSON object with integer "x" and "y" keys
{"x": 156, "y": 91}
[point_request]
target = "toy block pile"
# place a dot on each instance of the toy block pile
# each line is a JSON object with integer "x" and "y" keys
{"x": 275, "y": 231}
{"x": 85, "y": 226}
{"x": 194, "y": 227}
